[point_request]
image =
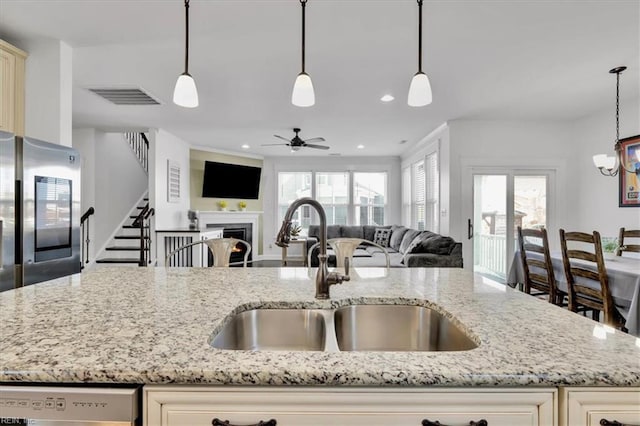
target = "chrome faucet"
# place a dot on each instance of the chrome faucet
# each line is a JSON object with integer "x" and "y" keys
{"x": 324, "y": 278}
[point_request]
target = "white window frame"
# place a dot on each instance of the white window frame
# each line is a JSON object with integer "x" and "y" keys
{"x": 314, "y": 172}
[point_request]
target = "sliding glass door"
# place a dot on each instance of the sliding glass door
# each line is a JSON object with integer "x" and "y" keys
{"x": 503, "y": 200}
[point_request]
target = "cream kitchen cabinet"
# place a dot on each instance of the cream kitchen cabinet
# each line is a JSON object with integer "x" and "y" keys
{"x": 12, "y": 62}
{"x": 590, "y": 406}
{"x": 190, "y": 405}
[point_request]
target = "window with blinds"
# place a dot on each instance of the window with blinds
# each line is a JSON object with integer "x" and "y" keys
{"x": 369, "y": 198}
{"x": 418, "y": 201}
{"x": 406, "y": 196}
{"x": 291, "y": 186}
{"x": 332, "y": 191}
{"x": 432, "y": 192}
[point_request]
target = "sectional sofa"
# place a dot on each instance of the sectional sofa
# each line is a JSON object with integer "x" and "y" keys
{"x": 406, "y": 247}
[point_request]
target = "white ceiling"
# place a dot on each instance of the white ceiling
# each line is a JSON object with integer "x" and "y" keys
{"x": 486, "y": 59}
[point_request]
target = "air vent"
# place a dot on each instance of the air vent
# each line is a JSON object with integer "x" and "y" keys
{"x": 133, "y": 96}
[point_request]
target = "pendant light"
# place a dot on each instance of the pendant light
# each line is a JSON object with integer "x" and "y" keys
{"x": 420, "y": 88}
{"x": 303, "y": 95}
{"x": 610, "y": 165}
{"x": 185, "y": 93}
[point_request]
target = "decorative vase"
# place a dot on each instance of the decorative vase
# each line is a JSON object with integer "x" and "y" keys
{"x": 243, "y": 209}
{"x": 223, "y": 209}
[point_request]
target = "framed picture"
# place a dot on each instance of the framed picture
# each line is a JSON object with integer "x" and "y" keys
{"x": 630, "y": 181}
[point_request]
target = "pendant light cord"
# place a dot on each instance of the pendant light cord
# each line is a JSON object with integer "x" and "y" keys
{"x": 617, "y": 107}
{"x": 186, "y": 51}
{"x": 303, "y": 3}
{"x": 419, "y": 36}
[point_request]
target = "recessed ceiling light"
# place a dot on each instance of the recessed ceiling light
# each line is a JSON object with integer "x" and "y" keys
{"x": 245, "y": 146}
{"x": 387, "y": 98}
{"x": 360, "y": 146}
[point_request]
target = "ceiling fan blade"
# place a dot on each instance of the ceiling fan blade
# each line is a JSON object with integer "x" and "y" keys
{"x": 315, "y": 140}
{"x": 274, "y": 144}
{"x": 283, "y": 138}
{"x": 310, "y": 145}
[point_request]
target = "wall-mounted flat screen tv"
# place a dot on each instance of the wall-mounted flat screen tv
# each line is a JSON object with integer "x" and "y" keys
{"x": 223, "y": 180}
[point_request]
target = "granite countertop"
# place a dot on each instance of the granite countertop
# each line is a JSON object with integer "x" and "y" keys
{"x": 153, "y": 325}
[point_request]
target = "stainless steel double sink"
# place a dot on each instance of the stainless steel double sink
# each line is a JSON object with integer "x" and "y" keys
{"x": 348, "y": 328}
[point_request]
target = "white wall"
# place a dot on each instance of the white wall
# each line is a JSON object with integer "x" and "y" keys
{"x": 48, "y": 90}
{"x": 597, "y": 200}
{"x": 120, "y": 182}
{"x": 84, "y": 142}
{"x": 165, "y": 146}
{"x": 273, "y": 165}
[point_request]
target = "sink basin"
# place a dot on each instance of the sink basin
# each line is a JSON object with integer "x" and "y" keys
{"x": 397, "y": 328}
{"x": 274, "y": 329}
{"x": 350, "y": 328}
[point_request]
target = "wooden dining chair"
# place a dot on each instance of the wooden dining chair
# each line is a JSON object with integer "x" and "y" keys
{"x": 536, "y": 265}
{"x": 587, "y": 281}
{"x": 625, "y": 245}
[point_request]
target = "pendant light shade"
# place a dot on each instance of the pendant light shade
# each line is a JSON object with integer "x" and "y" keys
{"x": 185, "y": 93}
{"x": 420, "y": 88}
{"x": 303, "y": 94}
{"x": 419, "y": 91}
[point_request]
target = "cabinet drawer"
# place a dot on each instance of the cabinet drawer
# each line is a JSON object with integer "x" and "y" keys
{"x": 170, "y": 406}
{"x": 588, "y": 406}
{"x": 181, "y": 418}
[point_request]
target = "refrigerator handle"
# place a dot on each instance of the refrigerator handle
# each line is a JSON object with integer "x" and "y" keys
{"x": 1, "y": 245}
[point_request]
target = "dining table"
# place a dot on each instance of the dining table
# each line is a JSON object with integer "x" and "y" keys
{"x": 623, "y": 274}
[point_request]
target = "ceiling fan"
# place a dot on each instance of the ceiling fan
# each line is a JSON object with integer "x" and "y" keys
{"x": 296, "y": 143}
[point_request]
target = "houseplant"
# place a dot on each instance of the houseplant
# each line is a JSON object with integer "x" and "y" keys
{"x": 242, "y": 205}
{"x": 295, "y": 232}
{"x": 222, "y": 204}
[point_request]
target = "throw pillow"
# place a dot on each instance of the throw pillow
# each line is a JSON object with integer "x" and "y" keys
{"x": 428, "y": 242}
{"x": 408, "y": 237}
{"x": 382, "y": 236}
{"x": 397, "y": 232}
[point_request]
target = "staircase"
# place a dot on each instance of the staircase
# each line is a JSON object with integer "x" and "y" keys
{"x": 130, "y": 246}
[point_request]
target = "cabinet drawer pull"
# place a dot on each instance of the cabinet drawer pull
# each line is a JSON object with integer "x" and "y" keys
{"x": 218, "y": 422}
{"x": 605, "y": 422}
{"x": 427, "y": 422}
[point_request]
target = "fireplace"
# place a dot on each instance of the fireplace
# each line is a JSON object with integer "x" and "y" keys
{"x": 241, "y": 231}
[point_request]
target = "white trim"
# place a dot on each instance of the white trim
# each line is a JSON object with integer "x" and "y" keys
{"x": 225, "y": 151}
{"x": 554, "y": 168}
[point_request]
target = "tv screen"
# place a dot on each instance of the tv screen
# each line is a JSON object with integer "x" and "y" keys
{"x": 223, "y": 180}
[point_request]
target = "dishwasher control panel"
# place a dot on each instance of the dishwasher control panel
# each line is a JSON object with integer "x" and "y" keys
{"x": 25, "y": 403}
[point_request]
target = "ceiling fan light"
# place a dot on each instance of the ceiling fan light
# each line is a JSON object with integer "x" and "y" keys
{"x": 185, "y": 93}
{"x": 303, "y": 94}
{"x": 419, "y": 91}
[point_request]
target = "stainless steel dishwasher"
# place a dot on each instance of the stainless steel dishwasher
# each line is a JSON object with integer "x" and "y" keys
{"x": 69, "y": 405}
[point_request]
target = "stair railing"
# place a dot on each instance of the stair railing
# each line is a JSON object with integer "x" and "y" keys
{"x": 140, "y": 145}
{"x": 143, "y": 221}
{"x": 85, "y": 240}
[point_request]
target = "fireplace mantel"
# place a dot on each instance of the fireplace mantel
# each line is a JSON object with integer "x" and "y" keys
{"x": 214, "y": 217}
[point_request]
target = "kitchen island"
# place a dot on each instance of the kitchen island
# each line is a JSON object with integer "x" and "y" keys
{"x": 153, "y": 326}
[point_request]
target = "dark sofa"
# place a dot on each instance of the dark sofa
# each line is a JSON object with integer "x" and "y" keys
{"x": 406, "y": 247}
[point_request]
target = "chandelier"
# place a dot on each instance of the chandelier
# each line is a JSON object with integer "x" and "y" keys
{"x": 611, "y": 165}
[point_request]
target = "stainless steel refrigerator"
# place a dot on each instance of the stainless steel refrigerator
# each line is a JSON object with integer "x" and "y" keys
{"x": 39, "y": 211}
